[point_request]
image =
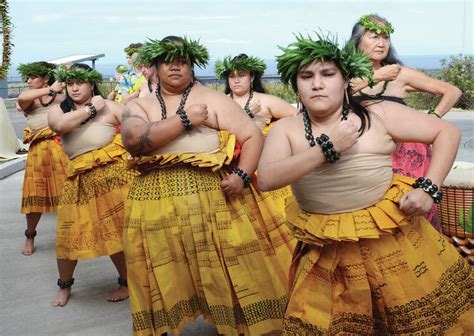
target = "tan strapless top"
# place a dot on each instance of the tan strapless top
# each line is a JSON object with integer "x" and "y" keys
{"x": 200, "y": 139}
{"x": 87, "y": 137}
{"x": 261, "y": 121}
{"x": 355, "y": 182}
{"x": 37, "y": 119}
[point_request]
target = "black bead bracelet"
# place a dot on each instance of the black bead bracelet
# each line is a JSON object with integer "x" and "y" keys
{"x": 327, "y": 147}
{"x": 243, "y": 175}
{"x": 429, "y": 187}
{"x": 184, "y": 119}
{"x": 93, "y": 112}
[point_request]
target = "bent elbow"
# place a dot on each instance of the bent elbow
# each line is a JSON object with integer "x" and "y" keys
{"x": 457, "y": 93}
{"x": 263, "y": 183}
{"x": 131, "y": 143}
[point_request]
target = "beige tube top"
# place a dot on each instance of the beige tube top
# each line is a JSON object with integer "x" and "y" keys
{"x": 261, "y": 121}
{"x": 87, "y": 137}
{"x": 37, "y": 119}
{"x": 355, "y": 182}
{"x": 200, "y": 139}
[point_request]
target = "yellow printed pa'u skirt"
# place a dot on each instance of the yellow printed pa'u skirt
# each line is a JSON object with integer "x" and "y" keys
{"x": 91, "y": 207}
{"x": 192, "y": 251}
{"x": 44, "y": 172}
{"x": 376, "y": 271}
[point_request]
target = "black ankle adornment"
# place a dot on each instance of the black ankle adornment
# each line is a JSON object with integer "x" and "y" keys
{"x": 30, "y": 235}
{"x": 122, "y": 282}
{"x": 65, "y": 284}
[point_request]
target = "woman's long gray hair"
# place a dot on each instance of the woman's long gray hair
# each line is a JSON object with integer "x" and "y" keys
{"x": 358, "y": 32}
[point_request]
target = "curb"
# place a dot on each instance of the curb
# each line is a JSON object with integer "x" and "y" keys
{"x": 11, "y": 167}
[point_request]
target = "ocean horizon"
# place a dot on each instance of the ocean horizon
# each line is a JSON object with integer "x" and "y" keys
{"x": 429, "y": 63}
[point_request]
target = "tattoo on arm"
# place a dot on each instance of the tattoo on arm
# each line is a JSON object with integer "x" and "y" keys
{"x": 127, "y": 115}
{"x": 145, "y": 141}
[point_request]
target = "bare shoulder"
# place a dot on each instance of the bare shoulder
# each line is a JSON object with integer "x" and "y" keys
{"x": 142, "y": 104}
{"x": 286, "y": 125}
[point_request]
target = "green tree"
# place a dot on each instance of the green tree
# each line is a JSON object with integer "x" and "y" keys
{"x": 6, "y": 33}
{"x": 459, "y": 72}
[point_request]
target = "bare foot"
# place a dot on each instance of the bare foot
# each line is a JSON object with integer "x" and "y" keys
{"x": 29, "y": 247}
{"x": 61, "y": 298}
{"x": 119, "y": 295}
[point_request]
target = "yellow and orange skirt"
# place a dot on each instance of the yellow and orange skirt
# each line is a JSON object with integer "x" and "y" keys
{"x": 44, "y": 172}
{"x": 91, "y": 207}
{"x": 376, "y": 271}
{"x": 191, "y": 251}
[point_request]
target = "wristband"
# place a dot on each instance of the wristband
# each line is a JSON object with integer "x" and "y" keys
{"x": 328, "y": 148}
{"x": 92, "y": 110}
{"x": 243, "y": 175}
{"x": 429, "y": 187}
{"x": 184, "y": 119}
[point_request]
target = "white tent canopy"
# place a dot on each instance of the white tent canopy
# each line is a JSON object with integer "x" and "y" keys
{"x": 77, "y": 59}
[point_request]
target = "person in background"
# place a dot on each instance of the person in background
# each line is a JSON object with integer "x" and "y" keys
{"x": 128, "y": 82}
{"x": 46, "y": 161}
{"x": 115, "y": 94}
{"x": 392, "y": 81}
{"x": 367, "y": 261}
{"x": 243, "y": 82}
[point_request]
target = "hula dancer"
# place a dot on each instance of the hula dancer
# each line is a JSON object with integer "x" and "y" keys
{"x": 191, "y": 246}
{"x": 392, "y": 82}
{"x": 46, "y": 161}
{"x": 367, "y": 262}
{"x": 91, "y": 208}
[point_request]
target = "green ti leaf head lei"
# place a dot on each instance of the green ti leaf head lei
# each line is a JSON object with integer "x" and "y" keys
{"x": 34, "y": 69}
{"x": 168, "y": 49}
{"x": 121, "y": 68}
{"x": 352, "y": 62}
{"x": 130, "y": 51}
{"x": 75, "y": 74}
{"x": 242, "y": 62}
{"x": 377, "y": 27}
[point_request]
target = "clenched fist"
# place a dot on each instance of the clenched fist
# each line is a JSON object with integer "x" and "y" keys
{"x": 57, "y": 87}
{"x": 232, "y": 185}
{"x": 98, "y": 102}
{"x": 197, "y": 114}
{"x": 416, "y": 202}
{"x": 387, "y": 73}
{"x": 344, "y": 135}
{"x": 255, "y": 106}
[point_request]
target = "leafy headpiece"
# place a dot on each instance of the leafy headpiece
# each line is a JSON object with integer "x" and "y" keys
{"x": 242, "y": 62}
{"x": 76, "y": 74}
{"x": 130, "y": 50}
{"x": 378, "y": 27}
{"x": 169, "y": 49}
{"x": 352, "y": 62}
{"x": 35, "y": 69}
{"x": 121, "y": 68}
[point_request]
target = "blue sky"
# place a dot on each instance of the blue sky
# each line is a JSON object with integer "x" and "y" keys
{"x": 52, "y": 29}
